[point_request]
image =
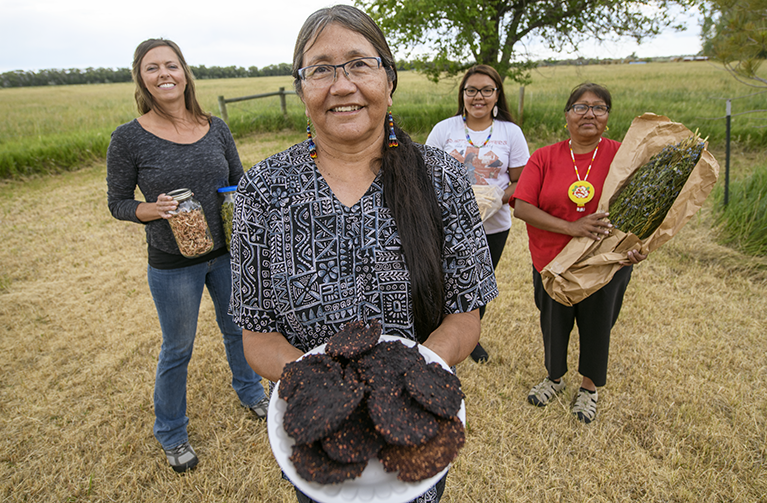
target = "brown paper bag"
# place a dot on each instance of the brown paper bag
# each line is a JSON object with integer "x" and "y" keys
{"x": 584, "y": 265}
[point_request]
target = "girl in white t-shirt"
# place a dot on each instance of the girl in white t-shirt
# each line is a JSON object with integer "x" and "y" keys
{"x": 483, "y": 136}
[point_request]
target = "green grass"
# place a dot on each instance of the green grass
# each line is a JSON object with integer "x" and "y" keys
{"x": 742, "y": 223}
{"x": 51, "y": 128}
{"x": 48, "y": 129}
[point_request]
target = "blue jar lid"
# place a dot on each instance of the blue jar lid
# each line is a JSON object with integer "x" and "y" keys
{"x": 231, "y": 188}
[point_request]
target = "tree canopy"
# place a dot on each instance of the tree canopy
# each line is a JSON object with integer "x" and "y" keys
{"x": 735, "y": 33}
{"x": 458, "y": 33}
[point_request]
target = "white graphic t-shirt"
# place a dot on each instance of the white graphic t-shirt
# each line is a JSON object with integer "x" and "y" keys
{"x": 489, "y": 164}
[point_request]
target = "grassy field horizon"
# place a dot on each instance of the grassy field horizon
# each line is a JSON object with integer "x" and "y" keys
{"x": 59, "y": 127}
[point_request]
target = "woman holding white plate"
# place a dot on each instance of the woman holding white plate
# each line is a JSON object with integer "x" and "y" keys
{"x": 357, "y": 222}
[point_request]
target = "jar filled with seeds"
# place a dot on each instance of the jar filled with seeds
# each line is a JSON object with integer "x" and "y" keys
{"x": 227, "y": 212}
{"x": 189, "y": 226}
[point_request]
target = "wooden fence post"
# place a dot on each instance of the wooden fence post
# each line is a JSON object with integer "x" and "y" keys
{"x": 283, "y": 105}
{"x": 222, "y": 109}
{"x": 521, "y": 108}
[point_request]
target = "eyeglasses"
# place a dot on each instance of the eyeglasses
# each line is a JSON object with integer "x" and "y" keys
{"x": 355, "y": 70}
{"x": 486, "y": 92}
{"x": 581, "y": 109}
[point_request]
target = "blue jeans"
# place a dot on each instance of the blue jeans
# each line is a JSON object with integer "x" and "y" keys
{"x": 177, "y": 294}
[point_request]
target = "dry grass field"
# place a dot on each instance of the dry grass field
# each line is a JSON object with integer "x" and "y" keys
{"x": 683, "y": 417}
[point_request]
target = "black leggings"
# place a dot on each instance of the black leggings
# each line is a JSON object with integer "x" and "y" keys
{"x": 496, "y": 243}
{"x": 595, "y": 315}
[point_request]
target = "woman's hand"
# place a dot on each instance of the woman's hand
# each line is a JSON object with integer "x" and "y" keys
{"x": 163, "y": 208}
{"x": 594, "y": 226}
{"x": 634, "y": 257}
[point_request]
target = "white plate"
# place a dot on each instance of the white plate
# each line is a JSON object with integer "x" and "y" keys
{"x": 375, "y": 485}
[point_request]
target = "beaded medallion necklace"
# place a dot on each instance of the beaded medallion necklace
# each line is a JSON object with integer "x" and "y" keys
{"x": 581, "y": 191}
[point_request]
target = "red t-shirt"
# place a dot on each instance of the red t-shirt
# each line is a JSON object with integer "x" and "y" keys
{"x": 544, "y": 183}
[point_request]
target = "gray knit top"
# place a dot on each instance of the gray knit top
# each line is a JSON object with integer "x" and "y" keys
{"x": 136, "y": 157}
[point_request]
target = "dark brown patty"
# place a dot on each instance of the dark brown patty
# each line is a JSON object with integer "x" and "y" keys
{"x": 436, "y": 389}
{"x": 423, "y": 461}
{"x": 356, "y": 440}
{"x": 321, "y": 404}
{"x": 354, "y": 339}
{"x": 314, "y": 465}
{"x": 386, "y": 363}
{"x": 399, "y": 418}
{"x": 295, "y": 375}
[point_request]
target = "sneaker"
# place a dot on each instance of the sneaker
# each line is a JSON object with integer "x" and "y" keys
{"x": 261, "y": 408}
{"x": 585, "y": 408}
{"x": 542, "y": 394}
{"x": 479, "y": 354}
{"x": 182, "y": 458}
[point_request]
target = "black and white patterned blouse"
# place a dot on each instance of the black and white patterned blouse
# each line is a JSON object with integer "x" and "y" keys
{"x": 304, "y": 265}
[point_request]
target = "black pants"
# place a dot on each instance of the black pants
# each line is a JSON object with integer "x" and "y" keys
{"x": 496, "y": 243}
{"x": 433, "y": 495}
{"x": 595, "y": 315}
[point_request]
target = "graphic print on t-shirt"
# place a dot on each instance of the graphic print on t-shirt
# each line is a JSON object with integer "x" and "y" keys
{"x": 479, "y": 167}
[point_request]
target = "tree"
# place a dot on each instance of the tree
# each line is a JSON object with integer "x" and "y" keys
{"x": 462, "y": 32}
{"x": 735, "y": 33}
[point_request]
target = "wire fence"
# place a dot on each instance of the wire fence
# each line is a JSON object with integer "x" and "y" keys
{"x": 728, "y": 125}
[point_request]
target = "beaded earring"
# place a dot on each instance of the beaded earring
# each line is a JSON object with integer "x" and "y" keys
{"x": 312, "y": 146}
{"x": 393, "y": 142}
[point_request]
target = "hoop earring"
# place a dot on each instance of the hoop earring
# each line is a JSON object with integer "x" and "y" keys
{"x": 393, "y": 142}
{"x": 495, "y": 111}
{"x": 312, "y": 146}
{"x": 607, "y": 128}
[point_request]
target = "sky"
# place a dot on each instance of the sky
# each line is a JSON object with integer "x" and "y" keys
{"x": 47, "y": 34}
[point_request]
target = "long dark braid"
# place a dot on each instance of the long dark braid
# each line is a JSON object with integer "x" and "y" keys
{"x": 409, "y": 194}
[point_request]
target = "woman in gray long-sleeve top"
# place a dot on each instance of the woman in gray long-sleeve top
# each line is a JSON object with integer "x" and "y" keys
{"x": 172, "y": 145}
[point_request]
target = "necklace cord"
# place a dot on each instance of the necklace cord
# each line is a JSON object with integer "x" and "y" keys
{"x": 468, "y": 138}
{"x": 572, "y": 156}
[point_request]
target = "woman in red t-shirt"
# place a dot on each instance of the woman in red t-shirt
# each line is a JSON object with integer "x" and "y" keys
{"x": 557, "y": 196}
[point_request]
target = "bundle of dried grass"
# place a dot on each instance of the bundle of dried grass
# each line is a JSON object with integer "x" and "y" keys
{"x": 644, "y": 201}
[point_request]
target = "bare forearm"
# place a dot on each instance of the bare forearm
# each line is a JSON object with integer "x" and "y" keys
{"x": 509, "y": 192}
{"x": 539, "y": 218}
{"x": 267, "y": 353}
{"x": 514, "y": 174}
{"x": 456, "y": 337}
{"x": 146, "y": 212}
{"x": 594, "y": 225}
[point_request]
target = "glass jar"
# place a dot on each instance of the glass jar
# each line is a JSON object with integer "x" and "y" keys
{"x": 189, "y": 226}
{"x": 227, "y": 212}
